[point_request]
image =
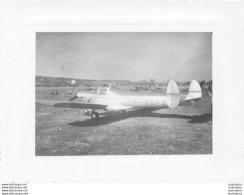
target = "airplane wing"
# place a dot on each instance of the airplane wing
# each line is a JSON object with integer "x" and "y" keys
{"x": 62, "y": 104}
{"x": 81, "y": 105}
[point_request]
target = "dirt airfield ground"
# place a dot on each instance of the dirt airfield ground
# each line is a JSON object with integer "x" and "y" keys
{"x": 182, "y": 130}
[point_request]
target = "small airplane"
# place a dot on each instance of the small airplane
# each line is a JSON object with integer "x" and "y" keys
{"x": 107, "y": 99}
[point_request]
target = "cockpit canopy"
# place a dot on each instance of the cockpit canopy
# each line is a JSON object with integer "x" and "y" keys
{"x": 107, "y": 90}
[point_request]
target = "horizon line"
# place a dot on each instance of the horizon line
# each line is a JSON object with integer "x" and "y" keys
{"x": 122, "y": 79}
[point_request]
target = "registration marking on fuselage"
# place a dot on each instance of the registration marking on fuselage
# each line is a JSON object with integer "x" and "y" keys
{"x": 148, "y": 102}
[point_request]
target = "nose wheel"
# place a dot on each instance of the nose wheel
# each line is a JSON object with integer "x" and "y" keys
{"x": 94, "y": 115}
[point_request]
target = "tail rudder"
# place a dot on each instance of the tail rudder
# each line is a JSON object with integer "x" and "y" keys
{"x": 172, "y": 94}
{"x": 195, "y": 90}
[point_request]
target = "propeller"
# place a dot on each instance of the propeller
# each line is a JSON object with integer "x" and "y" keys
{"x": 88, "y": 89}
{"x": 73, "y": 98}
{"x": 75, "y": 93}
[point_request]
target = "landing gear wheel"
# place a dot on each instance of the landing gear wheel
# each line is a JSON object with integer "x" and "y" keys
{"x": 94, "y": 116}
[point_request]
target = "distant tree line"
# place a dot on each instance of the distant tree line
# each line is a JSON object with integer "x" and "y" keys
{"x": 42, "y": 81}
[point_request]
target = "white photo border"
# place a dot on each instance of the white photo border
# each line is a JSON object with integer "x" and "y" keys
{"x": 19, "y": 163}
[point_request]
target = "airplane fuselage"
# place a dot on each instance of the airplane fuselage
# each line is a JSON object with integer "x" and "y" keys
{"x": 126, "y": 100}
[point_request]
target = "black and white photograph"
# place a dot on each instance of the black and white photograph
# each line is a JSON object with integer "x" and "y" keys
{"x": 123, "y": 93}
{"x": 126, "y": 92}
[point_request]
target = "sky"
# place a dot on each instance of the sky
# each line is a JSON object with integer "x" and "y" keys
{"x": 125, "y": 56}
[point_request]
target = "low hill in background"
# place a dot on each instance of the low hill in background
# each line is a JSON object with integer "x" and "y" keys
{"x": 42, "y": 81}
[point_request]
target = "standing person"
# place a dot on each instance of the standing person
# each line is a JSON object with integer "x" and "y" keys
{"x": 210, "y": 92}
